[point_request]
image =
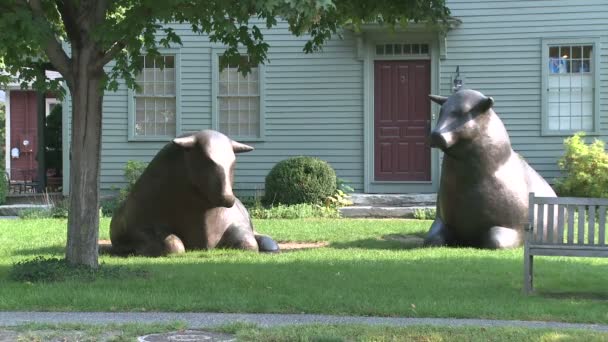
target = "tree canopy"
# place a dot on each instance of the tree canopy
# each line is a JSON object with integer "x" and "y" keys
{"x": 35, "y": 34}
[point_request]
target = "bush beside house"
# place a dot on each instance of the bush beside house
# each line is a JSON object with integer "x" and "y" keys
{"x": 585, "y": 168}
{"x": 300, "y": 179}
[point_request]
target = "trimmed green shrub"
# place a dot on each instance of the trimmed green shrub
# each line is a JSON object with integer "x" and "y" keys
{"x": 585, "y": 167}
{"x": 300, "y": 180}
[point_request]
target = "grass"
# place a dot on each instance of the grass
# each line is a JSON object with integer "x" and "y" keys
{"x": 316, "y": 332}
{"x": 85, "y": 332}
{"x": 359, "y": 273}
{"x": 338, "y": 333}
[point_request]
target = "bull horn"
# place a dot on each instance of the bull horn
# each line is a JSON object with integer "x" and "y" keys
{"x": 187, "y": 141}
{"x": 438, "y": 99}
{"x": 238, "y": 147}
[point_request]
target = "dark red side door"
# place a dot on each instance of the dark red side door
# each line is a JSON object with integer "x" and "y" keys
{"x": 24, "y": 126}
{"x": 402, "y": 113}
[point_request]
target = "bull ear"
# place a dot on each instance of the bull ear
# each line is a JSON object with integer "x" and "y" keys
{"x": 485, "y": 104}
{"x": 438, "y": 99}
{"x": 237, "y": 147}
{"x": 187, "y": 141}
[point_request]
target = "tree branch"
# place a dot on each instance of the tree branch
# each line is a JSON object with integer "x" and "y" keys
{"x": 53, "y": 47}
{"x": 111, "y": 53}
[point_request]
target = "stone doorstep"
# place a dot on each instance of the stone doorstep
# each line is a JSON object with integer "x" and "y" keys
{"x": 382, "y": 212}
{"x": 393, "y": 200}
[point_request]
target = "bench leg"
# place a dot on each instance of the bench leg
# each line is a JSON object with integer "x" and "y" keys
{"x": 528, "y": 272}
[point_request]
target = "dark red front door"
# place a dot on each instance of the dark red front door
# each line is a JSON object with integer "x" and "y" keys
{"x": 402, "y": 113}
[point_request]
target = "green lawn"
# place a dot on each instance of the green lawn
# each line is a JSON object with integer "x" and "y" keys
{"x": 318, "y": 333}
{"x": 339, "y": 333}
{"x": 359, "y": 273}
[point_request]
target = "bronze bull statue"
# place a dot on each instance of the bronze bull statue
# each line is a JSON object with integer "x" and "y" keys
{"x": 184, "y": 200}
{"x": 483, "y": 193}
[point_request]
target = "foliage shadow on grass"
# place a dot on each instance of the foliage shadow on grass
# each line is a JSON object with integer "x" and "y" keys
{"x": 52, "y": 250}
{"x": 388, "y": 241}
{"x": 556, "y": 294}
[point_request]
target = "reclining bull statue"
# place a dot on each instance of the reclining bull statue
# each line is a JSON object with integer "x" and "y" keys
{"x": 183, "y": 200}
{"x": 483, "y": 193}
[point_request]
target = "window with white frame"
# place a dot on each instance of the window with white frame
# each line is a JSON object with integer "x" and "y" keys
{"x": 155, "y": 100}
{"x": 238, "y": 102}
{"x": 570, "y": 94}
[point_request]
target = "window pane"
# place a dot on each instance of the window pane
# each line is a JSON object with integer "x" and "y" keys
{"x": 577, "y": 52}
{"x": 397, "y": 49}
{"x": 554, "y": 123}
{"x": 424, "y": 48}
{"x": 553, "y": 52}
{"x": 243, "y": 87}
{"x": 576, "y": 66}
{"x": 170, "y": 88}
{"x": 587, "y": 49}
{"x": 553, "y": 109}
{"x": 407, "y": 49}
{"x": 575, "y": 123}
{"x": 388, "y": 49}
{"x": 587, "y": 123}
{"x": 585, "y": 65}
{"x": 564, "y": 123}
{"x": 379, "y": 49}
{"x": 575, "y": 108}
{"x": 148, "y": 62}
{"x": 169, "y": 62}
{"x": 587, "y": 108}
{"x": 232, "y": 88}
{"x": 223, "y": 88}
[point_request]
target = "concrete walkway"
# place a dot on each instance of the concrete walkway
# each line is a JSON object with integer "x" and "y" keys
{"x": 205, "y": 320}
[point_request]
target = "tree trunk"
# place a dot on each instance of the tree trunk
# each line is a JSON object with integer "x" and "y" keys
{"x": 85, "y": 151}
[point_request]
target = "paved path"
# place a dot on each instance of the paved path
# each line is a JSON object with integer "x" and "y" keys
{"x": 202, "y": 320}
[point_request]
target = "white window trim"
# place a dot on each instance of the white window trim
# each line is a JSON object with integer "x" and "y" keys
{"x": 215, "y": 66}
{"x": 595, "y": 65}
{"x": 178, "y": 117}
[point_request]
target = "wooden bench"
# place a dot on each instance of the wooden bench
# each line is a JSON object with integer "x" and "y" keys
{"x": 552, "y": 231}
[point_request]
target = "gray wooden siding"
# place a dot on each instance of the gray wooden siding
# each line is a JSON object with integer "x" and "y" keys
{"x": 314, "y": 106}
{"x": 498, "y": 48}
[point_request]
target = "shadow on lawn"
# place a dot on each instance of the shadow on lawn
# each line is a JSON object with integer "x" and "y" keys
{"x": 53, "y": 250}
{"x": 389, "y": 241}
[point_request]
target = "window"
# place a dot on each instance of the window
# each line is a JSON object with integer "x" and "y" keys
{"x": 402, "y": 49}
{"x": 155, "y": 103}
{"x": 570, "y": 97}
{"x": 238, "y": 102}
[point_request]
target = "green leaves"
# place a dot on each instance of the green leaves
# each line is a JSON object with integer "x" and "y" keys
{"x": 585, "y": 167}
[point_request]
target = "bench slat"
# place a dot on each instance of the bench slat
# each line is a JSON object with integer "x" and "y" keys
{"x": 602, "y": 226}
{"x": 570, "y": 224}
{"x": 591, "y": 225}
{"x": 571, "y": 200}
{"x": 540, "y": 224}
{"x": 560, "y": 223}
{"x": 550, "y": 226}
{"x": 581, "y": 224}
{"x": 589, "y": 251}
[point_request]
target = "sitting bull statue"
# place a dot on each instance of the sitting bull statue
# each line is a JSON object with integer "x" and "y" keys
{"x": 184, "y": 200}
{"x": 483, "y": 193}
